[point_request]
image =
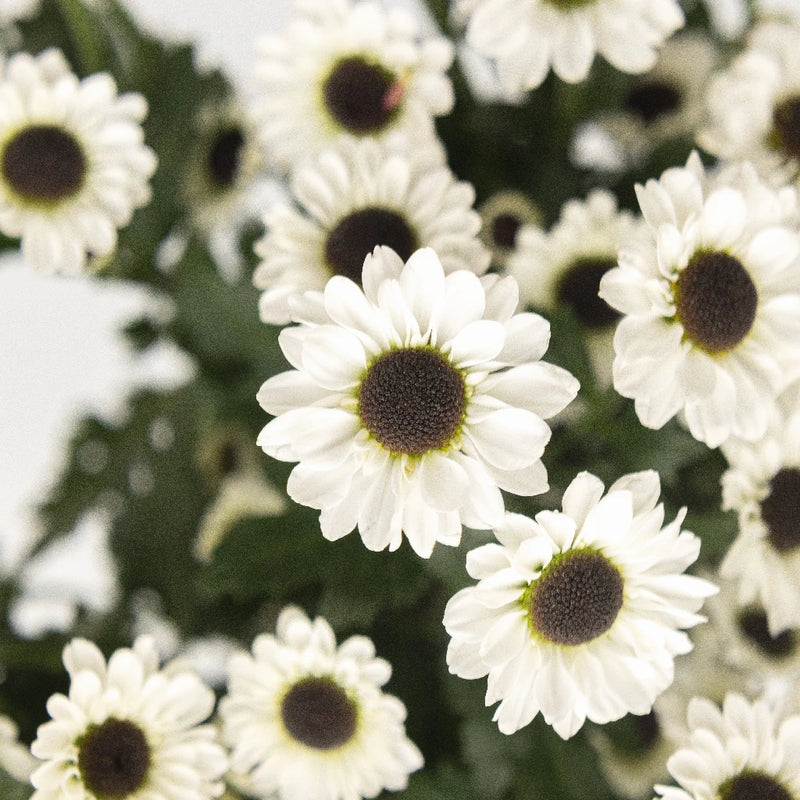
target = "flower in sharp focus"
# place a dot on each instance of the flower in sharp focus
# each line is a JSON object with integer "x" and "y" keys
{"x": 762, "y": 484}
{"x": 711, "y": 301}
{"x": 413, "y": 402}
{"x": 307, "y": 719}
{"x": 358, "y": 194}
{"x": 741, "y": 752}
{"x": 527, "y": 37}
{"x": 128, "y": 730}
{"x": 73, "y": 165}
{"x": 577, "y": 614}
{"x": 348, "y": 67}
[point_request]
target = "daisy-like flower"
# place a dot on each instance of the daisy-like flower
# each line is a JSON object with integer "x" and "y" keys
{"x": 348, "y": 67}
{"x": 73, "y": 165}
{"x": 413, "y": 402}
{"x": 711, "y": 298}
{"x": 128, "y": 730}
{"x": 502, "y": 217}
{"x": 741, "y": 752}
{"x": 577, "y": 614}
{"x": 762, "y": 485}
{"x": 307, "y": 720}
{"x": 563, "y": 267}
{"x": 357, "y": 195}
{"x": 527, "y": 37}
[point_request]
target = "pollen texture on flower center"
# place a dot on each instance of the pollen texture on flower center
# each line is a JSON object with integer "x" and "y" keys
{"x": 648, "y": 100}
{"x": 44, "y": 163}
{"x": 578, "y": 289}
{"x": 786, "y": 119}
{"x": 716, "y": 301}
{"x": 358, "y": 95}
{"x": 576, "y": 599}
{"x": 753, "y": 625}
{"x": 357, "y": 235}
{"x": 412, "y": 400}
{"x": 223, "y": 156}
{"x": 113, "y": 758}
{"x": 780, "y": 510}
{"x": 318, "y": 713}
{"x": 753, "y": 786}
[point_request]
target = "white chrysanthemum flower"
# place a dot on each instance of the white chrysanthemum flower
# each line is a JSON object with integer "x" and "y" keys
{"x": 742, "y": 752}
{"x": 307, "y": 719}
{"x": 128, "y": 730}
{"x": 357, "y": 195}
{"x": 762, "y": 485}
{"x": 711, "y": 298}
{"x": 527, "y": 37}
{"x": 577, "y": 614}
{"x": 563, "y": 267}
{"x": 413, "y": 402}
{"x": 15, "y": 757}
{"x": 348, "y": 67}
{"x": 73, "y": 165}
{"x": 503, "y": 214}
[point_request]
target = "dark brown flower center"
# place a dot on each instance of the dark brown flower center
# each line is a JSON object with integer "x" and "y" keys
{"x": 578, "y": 289}
{"x": 360, "y": 96}
{"x": 224, "y": 156}
{"x": 753, "y": 786}
{"x": 318, "y": 713}
{"x": 113, "y": 758}
{"x": 504, "y": 230}
{"x": 44, "y": 164}
{"x": 648, "y": 100}
{"x": 360, "y": 232}
{"x": 716, "y": 301}
{"x": 753, "y": 625}
{"x": 786, "y": 121}
{"x": 577, "y": 598}
{"x": 780, "y": 510}
{"x": 412, "y": 400}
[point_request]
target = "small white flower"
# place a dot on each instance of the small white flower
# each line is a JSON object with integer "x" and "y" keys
{"x": 577, "y": 614}
{"x": 15, "y": 757}
{"x": 503, "y": 215}
{"x": 357, "y": 195}
{"x": 711, "y": 298}
{"x": 344, "y": 67}
{"x": 307, "y": 720}
{"x": 742, "y": 752}
{"x": 527, "y": 37}
{"x": 128, "y": 730}
{"x": 73, "y": 166}
{"x": 413, "y": 402}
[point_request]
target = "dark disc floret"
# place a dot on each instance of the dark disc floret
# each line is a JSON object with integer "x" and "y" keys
{"x": 359, "y": 95}
{"x": 412, "y": 400}
{"x": 780, "y": 510}
{"x": 578, "y": 288}
{"x": 648, "y": 100}
{"x": 754, "y": 786}
{"x": 360, "y": 232}
{"x": 754, "y": 627}
{"x": 113, "y": 758}
{"x": 716, "y": 301}
{"x": 504, "y": 228}
{"x": 224, "y": 156}
{"x": 577, "y": 598}
{"x": 786, "y": 121}
{"x": 44, "y": 164}
{"x": 318, "y": 713}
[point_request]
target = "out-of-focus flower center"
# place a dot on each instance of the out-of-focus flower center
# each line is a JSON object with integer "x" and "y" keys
{"x": 113, "y": 758}
{"x": 716, "y": 301}
{"x": 356, "y": 236}
{"x": 224, "y": 156}
{"x": 578, "y": 288}
{"x": 577, "y": 598}
{"x": 780, "y": 510}
{"x": 504, "y": 230}
{"x": 412, "y": 400}
{"x": 318, "y": 713}
{"x": 753, "y": 625}
{"x": 786, "y": 121}
{"x": 754, "y": 786}
{"x": 648, "y": 100}
{"x": 44, "y": 164}
{"x": 361, "y": 96}
{"x": 566, "y": 5}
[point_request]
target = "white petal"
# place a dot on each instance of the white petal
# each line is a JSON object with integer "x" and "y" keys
{"x": 333, "y": 357}
{"x": 510, "y": 438}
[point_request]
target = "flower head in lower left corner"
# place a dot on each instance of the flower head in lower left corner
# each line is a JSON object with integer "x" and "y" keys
{"x": 128, "y": 730}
